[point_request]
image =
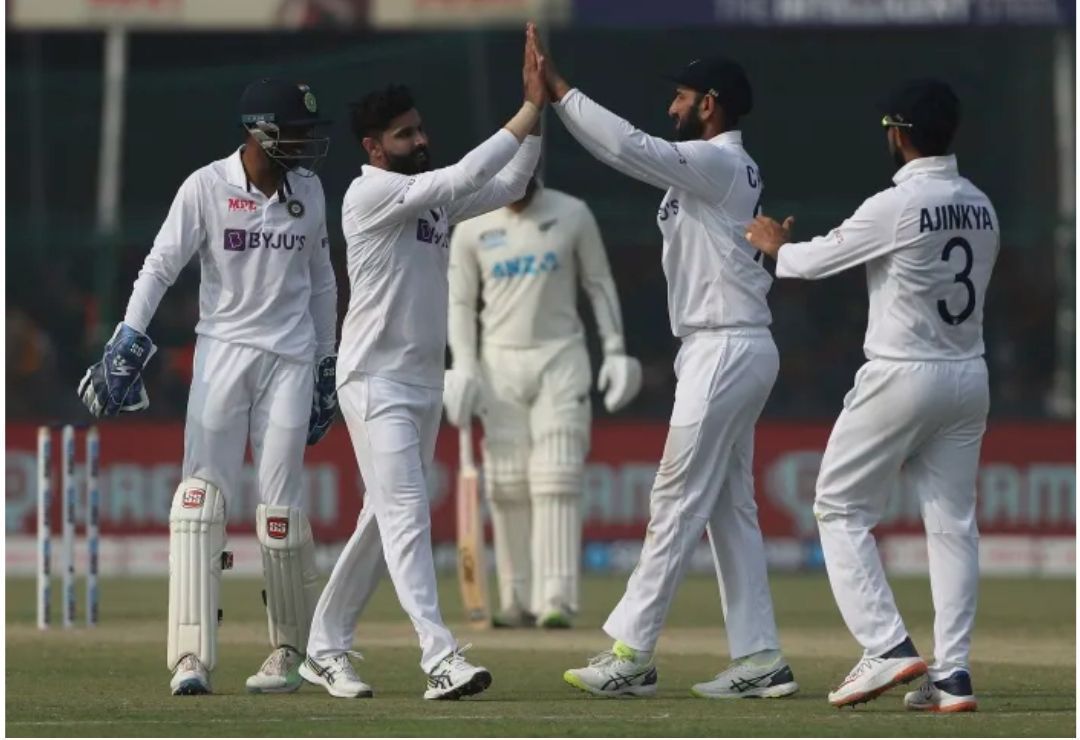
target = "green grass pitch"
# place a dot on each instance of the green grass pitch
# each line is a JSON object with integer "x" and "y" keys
{"x": 112, "y": 680}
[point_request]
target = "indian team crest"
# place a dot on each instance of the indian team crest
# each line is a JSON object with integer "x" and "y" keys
{"x": 309, "y": 100}
{"x": 295, "y": 208}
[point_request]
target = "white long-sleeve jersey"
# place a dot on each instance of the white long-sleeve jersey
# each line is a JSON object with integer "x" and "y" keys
{"x": 526, "y": 267}
{"x": 267, "y": 281}
{"x": 713, "y": 187}
{"x": 929, "y": 245}
{"x": 397, "y": 235}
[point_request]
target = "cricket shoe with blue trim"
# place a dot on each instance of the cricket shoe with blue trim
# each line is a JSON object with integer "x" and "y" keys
{"x": 279, "y": 673}
{"x": 190, "y": 677}
{"x": 952, "y": 694}
{"x": 337, "y": 675}
{"x": 455, "y": 677}
{"x": 764, "y": 674}
{"x": 619, "y": 672}
{"x": 874, "y": 675}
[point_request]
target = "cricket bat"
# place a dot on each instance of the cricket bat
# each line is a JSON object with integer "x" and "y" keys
{"x": 472, "y": 568}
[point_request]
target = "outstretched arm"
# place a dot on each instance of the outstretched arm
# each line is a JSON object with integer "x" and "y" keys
{"x": 403, "y": 196}
{"x": 697, "y": 166}
{"x": 868, "y": 233}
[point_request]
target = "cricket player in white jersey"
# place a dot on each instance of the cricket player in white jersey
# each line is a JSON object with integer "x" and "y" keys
{"x": 396, "y": 218}
{"x": 917, "y": 412}
{"x": 726, "y": 368}
{"x": 529, "y": 378}
{"x": 264, "y": 373}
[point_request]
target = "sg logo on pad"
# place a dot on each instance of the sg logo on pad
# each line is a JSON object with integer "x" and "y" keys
{"x": 193, "y": 498}
{"x": 277, "y": 527}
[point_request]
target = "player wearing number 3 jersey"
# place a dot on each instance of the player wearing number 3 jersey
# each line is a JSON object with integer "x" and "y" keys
{"x": 917, "y": 412}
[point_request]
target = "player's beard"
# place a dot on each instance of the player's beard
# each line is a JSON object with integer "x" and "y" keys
{"x": 413, "y": 163}
{"x": 689, "y": 128}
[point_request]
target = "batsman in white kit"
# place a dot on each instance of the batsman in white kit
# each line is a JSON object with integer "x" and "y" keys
{"x": 396, "y": 218}
{"x": 917, "y": 412}
{"x": 263, "y": 372}
{"x": 528, "y": 376}
{"x": 726, "y": 368}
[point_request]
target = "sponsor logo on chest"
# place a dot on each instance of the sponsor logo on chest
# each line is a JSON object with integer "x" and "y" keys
{"x": 432, "y": 230}
{"x": 244, "y": 205}
{"x": 239, "y": 240}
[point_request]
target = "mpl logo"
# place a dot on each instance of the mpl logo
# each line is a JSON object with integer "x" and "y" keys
{"x": 277, "y": 527}
{"x": 193, "y": 498}
{"x": 243, "y": 204}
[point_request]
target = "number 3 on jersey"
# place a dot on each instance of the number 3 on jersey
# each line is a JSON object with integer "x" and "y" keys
{"x": 960, "y": 277}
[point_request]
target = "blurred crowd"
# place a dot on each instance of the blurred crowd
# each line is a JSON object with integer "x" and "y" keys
{"x": 55, "y": 330}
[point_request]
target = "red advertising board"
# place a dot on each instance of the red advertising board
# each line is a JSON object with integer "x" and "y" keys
{"x": 1027, "y": 481}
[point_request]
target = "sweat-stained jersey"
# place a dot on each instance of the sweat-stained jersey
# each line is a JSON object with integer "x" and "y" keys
{"x": 397, "y": 235}
{"x": 266, "y": 279}
{"x": 526, "y": 267}
{"x": 929, "y": 245}
{"x": 715, "y": 279}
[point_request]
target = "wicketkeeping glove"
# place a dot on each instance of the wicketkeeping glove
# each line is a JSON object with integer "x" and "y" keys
{"x": 324, "y": 402}
{"x": 115, "y": 384}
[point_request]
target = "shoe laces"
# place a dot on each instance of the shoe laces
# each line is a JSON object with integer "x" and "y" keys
{"x": 860, "y": 668}
{"x": 341, "y": 666}
{"x": 189, "y": 663}
{"x": 602, "y": 659}
{"x": 277, "y": 664}
{"x": 456, "y": 659}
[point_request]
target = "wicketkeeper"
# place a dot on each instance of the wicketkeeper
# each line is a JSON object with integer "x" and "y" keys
{"x": 264, "y": 372}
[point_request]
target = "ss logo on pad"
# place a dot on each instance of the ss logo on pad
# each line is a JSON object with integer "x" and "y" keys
{"x": 193, "y": 498}
{"x": 277, "y": 527}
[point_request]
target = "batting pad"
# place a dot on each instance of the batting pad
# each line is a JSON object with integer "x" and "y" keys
{"x": 292, "y": 582}
{"x": 196, "y": 546}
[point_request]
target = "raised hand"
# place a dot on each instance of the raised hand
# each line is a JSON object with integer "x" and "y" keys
{"x": 556, "y": 85}
{"x": 531, "y": 70}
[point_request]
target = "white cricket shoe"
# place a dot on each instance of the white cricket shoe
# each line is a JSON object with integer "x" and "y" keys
{"x": 455, "y": 677}
{"x": 619, "y": 672}
{"x": 279, "y": 674}
{"x": 190, "y": 677}
{"x": 336, "y": 675}
{"x": 873, "y": 676}
{"x": 952, "y": 694}
{"x": 762, "y": 675}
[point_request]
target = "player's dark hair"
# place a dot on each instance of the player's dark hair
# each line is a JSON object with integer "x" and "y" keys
{"x": 931, "y": 142}
{"x": 373, "y": 114}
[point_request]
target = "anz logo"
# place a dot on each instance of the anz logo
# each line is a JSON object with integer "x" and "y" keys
{"x": 526, "y": 264}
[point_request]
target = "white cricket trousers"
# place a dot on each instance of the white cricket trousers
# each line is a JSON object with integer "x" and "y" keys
{"x": 393, "y": 427}
{"x": 705, "y": 483}
{"x": 918, "y": 425}
{"x": 238, "y": 394}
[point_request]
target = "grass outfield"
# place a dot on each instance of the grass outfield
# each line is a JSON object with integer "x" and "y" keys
{"x": 112, "y": 680}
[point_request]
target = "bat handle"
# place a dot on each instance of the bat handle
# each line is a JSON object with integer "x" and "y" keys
{"x": 465, "y": 446}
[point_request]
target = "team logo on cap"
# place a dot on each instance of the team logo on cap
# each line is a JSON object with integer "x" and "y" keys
{"x": 309, "y": 100}
{"x": 193, "y": 498}
{"x": 295, "y": 208}
{"x": 277, "y": 527}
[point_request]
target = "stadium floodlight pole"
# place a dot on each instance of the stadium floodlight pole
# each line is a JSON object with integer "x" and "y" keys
{"x": 110, "y": 161}
{"x": 1062, "y": 398}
